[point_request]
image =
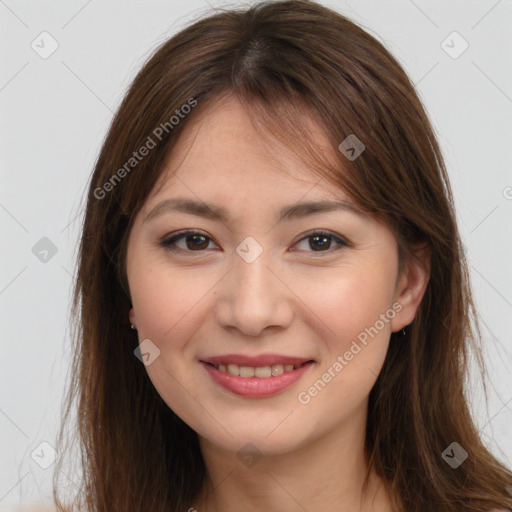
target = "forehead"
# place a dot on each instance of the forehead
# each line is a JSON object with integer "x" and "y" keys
{"x": 221, "y": 150}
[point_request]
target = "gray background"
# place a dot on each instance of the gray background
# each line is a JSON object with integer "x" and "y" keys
{"x": 55, "y": 113}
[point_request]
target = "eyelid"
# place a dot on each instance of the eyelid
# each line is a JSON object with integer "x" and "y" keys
{"x": 320, "y": 231}
{"x": 168, "y": 240}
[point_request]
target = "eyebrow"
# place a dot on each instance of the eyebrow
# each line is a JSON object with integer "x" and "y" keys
{"x": 217, "y": 212}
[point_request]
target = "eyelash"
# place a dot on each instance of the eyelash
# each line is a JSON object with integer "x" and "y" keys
{"x": 167, "y": 243}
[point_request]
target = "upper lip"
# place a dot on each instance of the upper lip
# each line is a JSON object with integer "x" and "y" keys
{"x": 261, "y": 360}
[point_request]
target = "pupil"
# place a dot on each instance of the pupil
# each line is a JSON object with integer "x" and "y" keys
{"x": 195, "y": 238}
{"x": 321, "y": 237}
{"x": 321, "y": 241}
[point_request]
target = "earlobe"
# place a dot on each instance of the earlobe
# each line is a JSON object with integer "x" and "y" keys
{"x": 412, "y": 286}
{"x": 131, "y": 316}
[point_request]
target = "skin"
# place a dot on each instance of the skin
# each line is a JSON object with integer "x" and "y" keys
{"x": 291, "y": 300}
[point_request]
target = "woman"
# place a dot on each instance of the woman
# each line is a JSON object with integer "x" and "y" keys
{"x": 273, "y": 303}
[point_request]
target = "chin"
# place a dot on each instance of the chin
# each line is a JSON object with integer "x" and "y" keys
{"x": 258, "y": 438}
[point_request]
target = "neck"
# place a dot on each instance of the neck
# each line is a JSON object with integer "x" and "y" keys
{"x": 326, "y": 471}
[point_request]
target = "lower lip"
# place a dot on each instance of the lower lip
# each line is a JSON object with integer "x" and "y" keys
{"x": 255, "y": 387}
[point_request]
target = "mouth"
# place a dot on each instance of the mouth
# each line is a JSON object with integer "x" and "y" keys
{"x": 256, "y": 381}
{"x": 260, "y": 372}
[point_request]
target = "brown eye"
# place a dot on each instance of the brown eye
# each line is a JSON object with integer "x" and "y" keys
{"x": 320, "y": 241}
{"x": 193, "y": 241}
{"x": 198, "y": 242}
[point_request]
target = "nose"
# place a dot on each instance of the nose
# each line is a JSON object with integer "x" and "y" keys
{"x": 254, "y": 297}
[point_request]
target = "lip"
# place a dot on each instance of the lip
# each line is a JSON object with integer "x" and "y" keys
{"x": 255, "y": 387}
{"x": 261, "y": 360}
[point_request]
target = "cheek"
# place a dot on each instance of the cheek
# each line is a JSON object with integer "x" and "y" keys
{"x": 349, "y": 299}
{"x": 168, "y": 306}
{"x": 355, "y": 338}
{"x": 166, "y": 302}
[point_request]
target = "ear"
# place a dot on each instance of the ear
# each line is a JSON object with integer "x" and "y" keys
{"x": 131, "y": 316}
{"x": 411, "y": 286}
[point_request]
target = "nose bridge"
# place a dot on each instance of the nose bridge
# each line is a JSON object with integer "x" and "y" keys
{"x": 254, "y": 298}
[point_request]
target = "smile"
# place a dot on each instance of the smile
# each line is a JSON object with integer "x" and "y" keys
{"x": 256, "y": 381}
{"x": 261, "y": 372}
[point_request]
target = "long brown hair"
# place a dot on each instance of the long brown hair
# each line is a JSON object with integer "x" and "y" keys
{"x": 283, "y": 60}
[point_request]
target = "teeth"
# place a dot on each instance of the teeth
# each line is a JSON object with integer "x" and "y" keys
{"x": 247, "y": 371}
{"x": 278, "y": 369}
{"x": 233, "y": 369}
{"x": 261, "y": 372}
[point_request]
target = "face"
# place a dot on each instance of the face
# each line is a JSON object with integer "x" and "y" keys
{"x": 239, "y": 285}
